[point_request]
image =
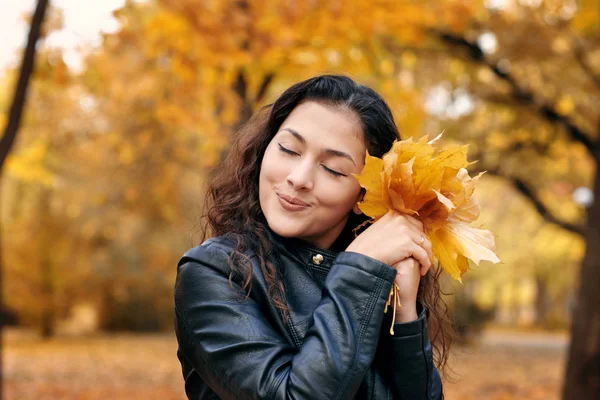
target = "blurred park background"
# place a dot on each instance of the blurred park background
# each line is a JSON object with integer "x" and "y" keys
{"x": 131, "y": 103}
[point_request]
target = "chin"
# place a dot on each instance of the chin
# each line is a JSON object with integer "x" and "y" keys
{"x": 283, "y": 228}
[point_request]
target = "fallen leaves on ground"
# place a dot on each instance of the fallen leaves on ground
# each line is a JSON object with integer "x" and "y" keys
{"x": 128, "y": 366}
{"x": 508, "y": 366}
{"x": 116, "y": 367}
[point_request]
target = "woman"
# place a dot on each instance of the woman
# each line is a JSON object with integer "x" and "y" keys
{"x": 284, "y": 301}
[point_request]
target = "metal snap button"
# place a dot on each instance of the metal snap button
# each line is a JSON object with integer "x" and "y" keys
{"x": 317, "y": 259}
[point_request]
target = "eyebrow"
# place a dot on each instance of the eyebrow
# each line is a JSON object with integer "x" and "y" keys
{"x": 328, "y": 151}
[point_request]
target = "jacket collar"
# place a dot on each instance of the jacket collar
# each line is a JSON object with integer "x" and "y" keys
{"x": 308, "y": 254}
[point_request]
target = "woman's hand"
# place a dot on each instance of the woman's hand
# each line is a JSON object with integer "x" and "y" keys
{"x": 393, "y": 238}
{"x": 407, "y": 279}
{"x": 398, "y": 240}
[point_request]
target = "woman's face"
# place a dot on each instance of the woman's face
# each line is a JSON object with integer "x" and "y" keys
{"x": 310, "y": 161}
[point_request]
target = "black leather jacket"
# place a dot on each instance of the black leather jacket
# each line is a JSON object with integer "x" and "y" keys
{"x": 336, "y": 344}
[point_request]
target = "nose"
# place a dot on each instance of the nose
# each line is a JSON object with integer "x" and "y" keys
{"x": 301, "y": 176}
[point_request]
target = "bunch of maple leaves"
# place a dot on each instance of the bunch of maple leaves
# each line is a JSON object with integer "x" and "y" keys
{"x": 433, "y": 186}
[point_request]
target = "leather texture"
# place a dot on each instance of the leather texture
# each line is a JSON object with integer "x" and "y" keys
{"x": 335, "y": 345}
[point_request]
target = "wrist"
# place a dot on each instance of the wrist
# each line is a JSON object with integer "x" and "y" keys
{"x": 406, "y": 313}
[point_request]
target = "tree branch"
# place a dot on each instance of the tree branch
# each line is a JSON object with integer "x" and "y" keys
{"x": 27, "y": 65}
{"x": 520, "y": 94}
{"x": 263, "y": 87}
{"x": 241, "y": 88}
{"x": 523, "y": 188}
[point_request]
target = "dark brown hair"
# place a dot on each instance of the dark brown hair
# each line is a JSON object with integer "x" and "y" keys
{"x": 232, "y": 205}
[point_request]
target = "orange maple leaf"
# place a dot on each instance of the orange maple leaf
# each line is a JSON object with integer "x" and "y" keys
{"x": 416, "y": 179}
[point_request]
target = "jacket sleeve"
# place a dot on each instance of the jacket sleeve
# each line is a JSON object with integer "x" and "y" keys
{"x": 407, "y": 360}
{"x": 237, "y": 352}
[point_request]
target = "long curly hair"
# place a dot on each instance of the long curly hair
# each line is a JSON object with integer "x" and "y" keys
{"x": 232, "y": 205}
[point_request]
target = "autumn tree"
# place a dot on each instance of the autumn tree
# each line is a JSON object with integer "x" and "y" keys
{"x": 20, "y": 94}
{"x": 127, "y": 143}
{"x": 538, "y": 68}
{"x": 176, "y": 80}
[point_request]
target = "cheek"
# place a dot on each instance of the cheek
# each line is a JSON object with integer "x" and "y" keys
{"x": 268, "y": 169}
{"x": 340, "y": 197}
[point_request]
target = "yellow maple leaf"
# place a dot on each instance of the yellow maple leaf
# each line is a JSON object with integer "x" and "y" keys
{"x": 376, "y": 201}
{"x": 415, "y": 178}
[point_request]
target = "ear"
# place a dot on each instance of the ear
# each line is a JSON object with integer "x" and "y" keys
{"x": 356, "y": 210}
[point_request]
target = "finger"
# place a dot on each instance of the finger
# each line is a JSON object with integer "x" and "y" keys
{"x": 407, "y": 268}
{"x": 412, "y": 221}
{"x": 421, "y": 256}
{"x": 425, "y": 269}
{"x": 421, "y": 239}
{"x": 428, "y": 247}
{"x": 425, "y": 246}
{"x": 415, "y": 222}
{"x": 407, "y": 264}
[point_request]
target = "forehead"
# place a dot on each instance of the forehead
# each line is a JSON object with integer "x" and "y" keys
{"x": 326, "y": 125}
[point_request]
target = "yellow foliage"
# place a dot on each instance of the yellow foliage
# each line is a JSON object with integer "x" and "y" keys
{"x": 408, "y": 59}
{"x": 29, "y": 164}
{"x": 498, "y": 140}
{"x": 565, "y": 105}
{"x": 207, "y": 46}
{"x": 387, "y": 66}
{"x": 415, "y": 178}
{"x": 587, "y": 16}
{"x": 73, "y": 210}
{"x": 126, "y": 154}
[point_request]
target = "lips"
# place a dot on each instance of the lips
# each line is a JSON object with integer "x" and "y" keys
{"x": 289, "y": 206}
{"x": 293, "y": 200}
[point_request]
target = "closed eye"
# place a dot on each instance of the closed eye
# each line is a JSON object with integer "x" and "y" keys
{"x": 329, "y": 170}
{"x": 332, "y": 172}
{"x": 287, "y": 151}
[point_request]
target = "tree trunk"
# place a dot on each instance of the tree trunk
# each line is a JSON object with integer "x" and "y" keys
{"x": 542, "y": 300}
{"x": 16, "y": 109}
{"x": 241, "y": 88}
{"x": 48, "y": 312}
{"x": 47, "y": 287}
{"x": 582, "y": 379}
{"x": 18, "y": 103}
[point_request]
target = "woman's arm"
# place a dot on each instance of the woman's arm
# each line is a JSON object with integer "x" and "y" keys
{"x": 406, "y": 360}
{"x": 238, "y": 353}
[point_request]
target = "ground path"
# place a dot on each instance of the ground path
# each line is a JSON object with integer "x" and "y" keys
{"x": 502, "y": 365}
